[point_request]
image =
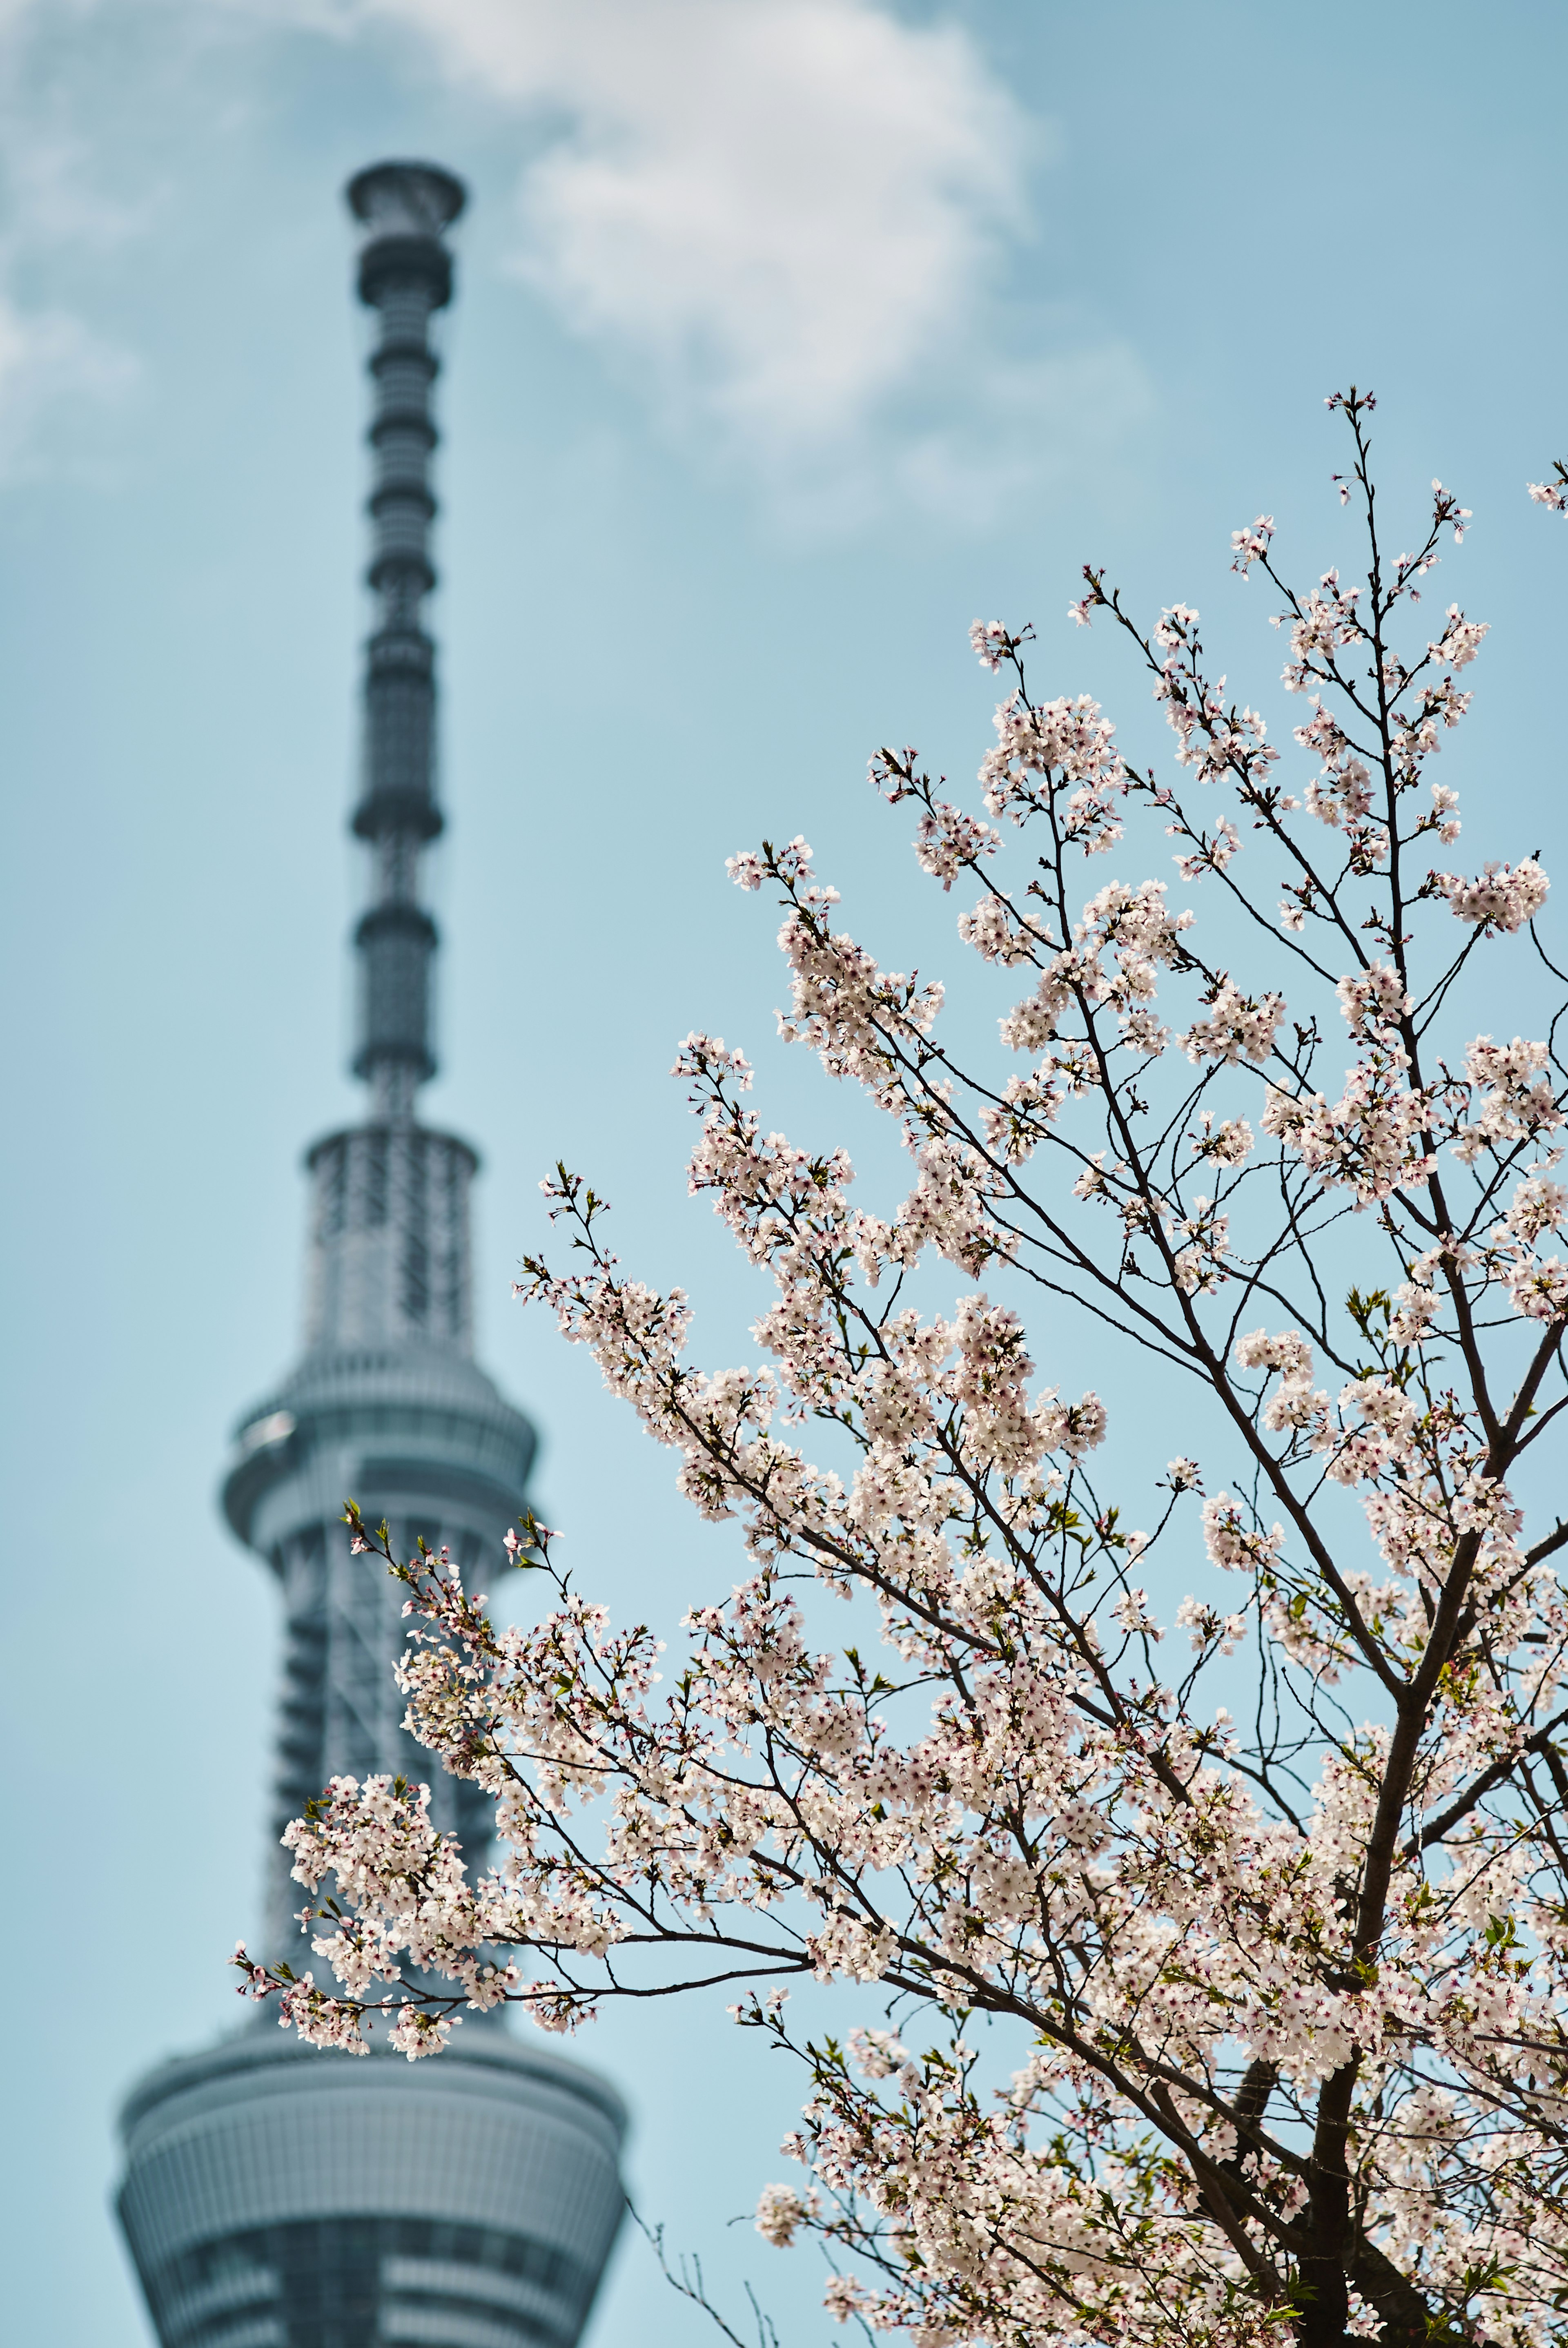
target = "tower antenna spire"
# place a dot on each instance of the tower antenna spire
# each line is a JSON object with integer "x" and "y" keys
{"x": 406, "y": 277}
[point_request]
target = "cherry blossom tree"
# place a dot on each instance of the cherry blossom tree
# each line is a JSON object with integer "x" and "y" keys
{"x": 1247, "y": 1834}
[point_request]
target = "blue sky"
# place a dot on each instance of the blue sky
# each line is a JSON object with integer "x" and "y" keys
{"x": 791, "y": 334}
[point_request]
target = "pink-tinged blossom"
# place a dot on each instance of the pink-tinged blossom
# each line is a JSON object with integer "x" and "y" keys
{"x": 1061, "y": 755}
{"x": 1234, "y": 1543}
{"x": 1444, "y": 821}
{"x": 1513, "y": 1098}
{"x": 1504, "y": 897}
{"x": 703, "y": 1059}
{"x": 1373, "y": 1002}
{"x": 1538, "y": 1288}
{"x": 1459, "y": 642}
{"x": 877, "y": 2054}
{"x": 1385, "y": 1419}
{"x": 993, "y": 643}
{"x": 997, "y": 934}
{"x": 1295, "y": 1403}
{"x": 1537, "y": 1206}
{"x": 1226, "y": 1142}
{"x": 1251, "y": 545}
{"x": 1199, "y": 1269}
{"x": 779, "y": 2212}
{"x": 1371, "y": 1141}
{"x": 1237, "y": 1026}
{"x": 1130, "y": 1612}
{"x": 1072, "y": 1428}
{"x": 1209, "y": 1628}
{"x": 1211, "y": 854}
{"x": 415, "y": 2032}
{"x": 1029, "y": 1107}
{"x": 1215, "y": 740}
{"x": 1448, "y": 509}
{"x": 844, "y": 2296}
{"x": 1329, "y": 623}
{"x": 950, "y": 842}
{"x": 1341, "y": 794}
{"x": 1416, "y": 1308}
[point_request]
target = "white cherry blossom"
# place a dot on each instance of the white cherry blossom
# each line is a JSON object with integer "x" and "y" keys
{"x": 1275, "y": 2006}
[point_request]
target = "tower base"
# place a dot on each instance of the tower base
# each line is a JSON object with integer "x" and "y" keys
{"x": 278, "y": 2197}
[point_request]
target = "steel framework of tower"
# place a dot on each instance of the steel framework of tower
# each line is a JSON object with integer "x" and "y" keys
{"x": 275, "y": 2196}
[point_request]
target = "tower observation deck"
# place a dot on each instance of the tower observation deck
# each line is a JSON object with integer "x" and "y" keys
{"x": 276, "y": 2196}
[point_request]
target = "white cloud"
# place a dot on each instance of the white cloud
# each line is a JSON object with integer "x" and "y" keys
{"x": 789, "y": 218}
{"x": 779, "y": 204}
{"x": 50, "y": 358}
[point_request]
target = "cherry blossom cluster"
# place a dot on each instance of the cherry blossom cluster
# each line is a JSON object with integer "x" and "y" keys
{"x": 1276, "y": 2001}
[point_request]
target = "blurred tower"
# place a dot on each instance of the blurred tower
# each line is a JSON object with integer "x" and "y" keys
{"x": 276, "y": 2196}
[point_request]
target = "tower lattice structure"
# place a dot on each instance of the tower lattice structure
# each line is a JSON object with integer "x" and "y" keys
{"x": 275, "y": 2196}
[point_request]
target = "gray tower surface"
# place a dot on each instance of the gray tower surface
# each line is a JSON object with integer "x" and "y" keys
{"x": 276, "y": 2196}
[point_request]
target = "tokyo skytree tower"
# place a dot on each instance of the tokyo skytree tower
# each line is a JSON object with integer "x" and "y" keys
{"x": 276, "y": 2196}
